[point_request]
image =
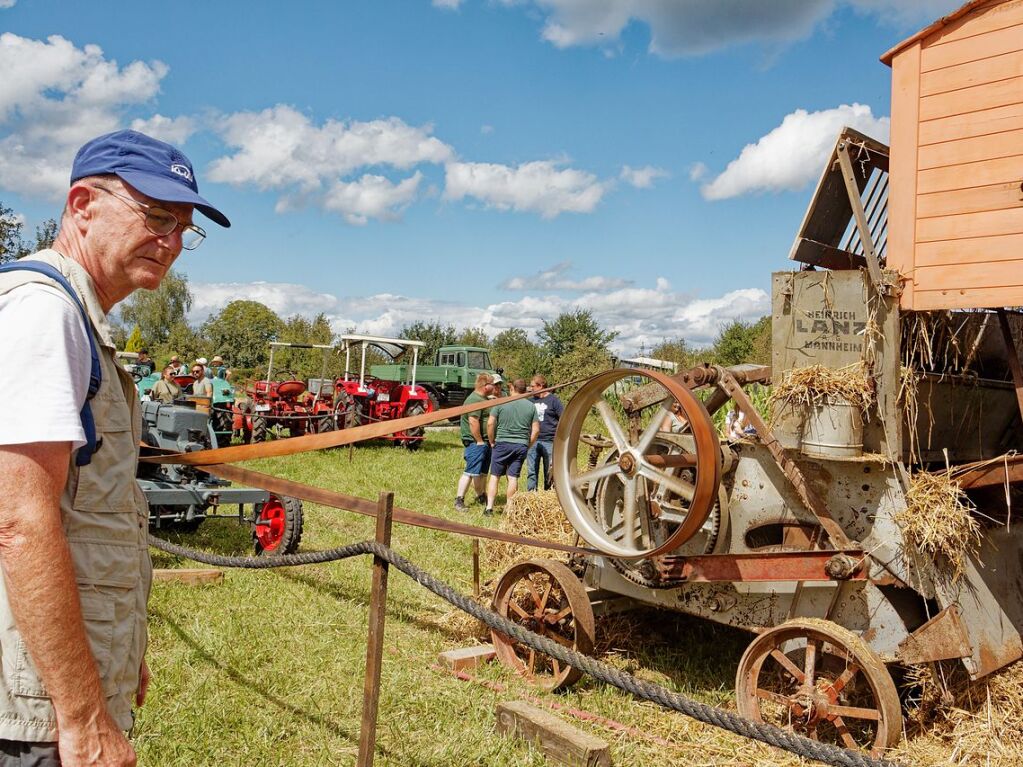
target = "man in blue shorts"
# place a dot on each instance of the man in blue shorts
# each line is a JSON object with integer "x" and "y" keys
{"x": 548, "y": 410}
{"x": 513, "y": 427}
{"x": 477, "y": 449}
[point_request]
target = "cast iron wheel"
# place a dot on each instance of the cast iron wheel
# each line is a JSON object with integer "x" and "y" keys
{"x": 650, "y": 483}
{"x": 820, "y": 680}
{"x": 258, "y": 428}
{"x": 278, "y": 527}
{"x": 416, "y": 435}
{"x": 545, "y": 597}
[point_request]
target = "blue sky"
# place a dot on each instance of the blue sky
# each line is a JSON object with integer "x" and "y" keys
{"x": 478, "y": 162}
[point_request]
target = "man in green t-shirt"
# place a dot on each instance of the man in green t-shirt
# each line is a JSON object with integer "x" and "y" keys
{"x": 512, "y": 428}
{"x": 477, "y": 449}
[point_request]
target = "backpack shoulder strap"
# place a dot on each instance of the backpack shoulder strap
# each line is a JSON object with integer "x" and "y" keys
{"x": 84, "y": 454}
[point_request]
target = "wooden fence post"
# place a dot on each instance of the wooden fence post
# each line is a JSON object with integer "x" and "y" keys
{"x": 375, "y": 642}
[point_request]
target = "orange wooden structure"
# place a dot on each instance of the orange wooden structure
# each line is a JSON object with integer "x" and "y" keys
{"x": 955, "y": 206}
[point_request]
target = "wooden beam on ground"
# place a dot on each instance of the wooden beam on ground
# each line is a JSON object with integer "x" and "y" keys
{"x": 190, "y": 576}
{"x": 559, "y": 741}
{"x": 466, "y": 657}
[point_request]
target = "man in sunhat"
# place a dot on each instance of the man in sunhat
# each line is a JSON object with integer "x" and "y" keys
{"x": 73, "y": 550}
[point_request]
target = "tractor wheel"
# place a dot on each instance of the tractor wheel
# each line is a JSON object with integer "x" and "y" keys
{"x": 417, "y": 434}
{"x": 346, "y": 414}
{"x": 324, "y": 423}
{"x": 258, "y": 428}
{"x": 222, "y": 420}
{"x": 278, "y": 527}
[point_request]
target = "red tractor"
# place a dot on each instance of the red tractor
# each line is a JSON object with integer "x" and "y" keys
{"x": 368, "y": 398}
{"x": 291, "y": 404}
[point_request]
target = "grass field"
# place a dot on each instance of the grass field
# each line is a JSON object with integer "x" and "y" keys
{"x": 267, "y": 667}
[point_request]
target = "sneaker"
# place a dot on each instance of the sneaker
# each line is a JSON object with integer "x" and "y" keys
{"x": 481, "y": 500}
{"x": 459, "y": 504}
{"x": 488, "y": 512}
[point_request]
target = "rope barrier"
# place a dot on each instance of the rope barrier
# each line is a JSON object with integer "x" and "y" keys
{"x": 726, "y": 720}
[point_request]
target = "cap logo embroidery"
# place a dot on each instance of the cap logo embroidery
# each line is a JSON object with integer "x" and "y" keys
{"x": 181, "y": 170}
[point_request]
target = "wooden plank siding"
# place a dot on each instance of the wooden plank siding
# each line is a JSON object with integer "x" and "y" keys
{"x": 956, "y": 225}
{"x": 982, "y": 123}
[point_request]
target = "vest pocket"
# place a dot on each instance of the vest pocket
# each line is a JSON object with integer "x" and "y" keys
{"x": 98, "y": 613}
{"x": 107, "y": 484}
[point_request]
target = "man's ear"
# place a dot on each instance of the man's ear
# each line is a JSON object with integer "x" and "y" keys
{"x": 80, "y": 202}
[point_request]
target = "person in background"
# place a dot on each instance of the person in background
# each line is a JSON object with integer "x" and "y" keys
{"x": 180, "y": 368}
{"x": 511, "y": 429}
{"x": 218, "y": 369}
{"x": 548, "y": 410}
{"x": 675, "y": 420}
{"x": 144, "y": 361}
{"x": 201, "y": 387}
{"x": 166, "y": 390}
{"x": 477, "y": 449}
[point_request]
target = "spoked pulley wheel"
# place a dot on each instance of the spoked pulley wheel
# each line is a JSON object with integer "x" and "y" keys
{"x": 822, "y": 681}
{"x": 545, "y": 597}
{"x": 665, "y": 500}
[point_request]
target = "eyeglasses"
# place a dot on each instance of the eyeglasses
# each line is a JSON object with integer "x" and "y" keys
{"x": 197, "y": 371}
{"x": 162, "y": 223}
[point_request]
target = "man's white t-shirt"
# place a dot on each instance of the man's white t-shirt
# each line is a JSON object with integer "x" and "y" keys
{"x": 45, "y": 380}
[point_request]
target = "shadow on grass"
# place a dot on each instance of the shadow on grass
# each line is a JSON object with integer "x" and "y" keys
{"x": 336, "y": 728}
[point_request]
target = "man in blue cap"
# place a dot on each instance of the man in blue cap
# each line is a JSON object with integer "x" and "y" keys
{"x": 72, "y": 518}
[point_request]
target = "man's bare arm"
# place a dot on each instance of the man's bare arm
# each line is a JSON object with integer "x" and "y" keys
{"x": 491, "y": 429}
{"x": 43, "y": 595}
{"x": 534, "y": 433}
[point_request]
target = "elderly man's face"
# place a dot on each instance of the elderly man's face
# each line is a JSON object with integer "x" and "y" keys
{"x": 126, "y": 254}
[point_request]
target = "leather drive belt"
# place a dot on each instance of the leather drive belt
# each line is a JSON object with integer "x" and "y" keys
{"x": 369, "y": 508}
{"x": 215, "y": 462}
{"x": 310, "y": 442}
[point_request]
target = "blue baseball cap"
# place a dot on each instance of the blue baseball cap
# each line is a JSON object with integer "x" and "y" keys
{"x": 154, "y": 167}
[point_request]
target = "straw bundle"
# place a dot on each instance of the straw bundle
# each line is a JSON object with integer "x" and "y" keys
{"x": 817, "y": 385}
{"x": 937, "y": 521}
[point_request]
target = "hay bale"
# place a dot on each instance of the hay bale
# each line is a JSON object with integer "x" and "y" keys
{"x": 937, "y": 522}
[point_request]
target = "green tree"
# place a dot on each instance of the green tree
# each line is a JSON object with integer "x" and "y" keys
{"x": 134, "y": 342}
{"x": 433, "y": 334}
{"x": 157, "y": 311}
{"x": 474, "y": 337}
{"x": 518, "y": 356}
{"x": 182, "y": 340}
{"x": 562, "y": 334}
{"x": 11, "y": 246}
{"x": 307, "y": 363}
{"x": 677, "y": 351}
{"x": 740, "y": 342}
{"x": 242, "y": 333}
{"x": 583, "y": 358}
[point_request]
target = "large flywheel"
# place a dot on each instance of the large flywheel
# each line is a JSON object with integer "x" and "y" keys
{"x": 661, "y": 498}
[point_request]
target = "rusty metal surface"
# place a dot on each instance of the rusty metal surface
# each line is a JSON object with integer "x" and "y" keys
{"x": 789, "y": 468}
{"x": 543, "y": 596}
{"x": 759, "y": 567}
{"x": 821, "y": 680}
{"x": 694, "y": 378}
{"x": 943, "y": 637}
{"x": 1007, "y": 469}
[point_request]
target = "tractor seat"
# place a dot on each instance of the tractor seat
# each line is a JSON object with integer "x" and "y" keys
{"x": 290, "y": 388}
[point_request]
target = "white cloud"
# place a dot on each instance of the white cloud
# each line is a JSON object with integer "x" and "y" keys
{"x": 542, "y": 187}
{"x": 697, "y": 171}
{"x": 7, "y": 3}
{"x": 281, "y": 149}
{"x": 642, "y": 178}
{"x": 54, "y": 97}
{"x": 555, "y": 279}
{"x": 643, "y": 317}
{"x": 793, "y": 154}
{"x": 173, "y": 130}
{"x": 486, "y": 130}
{"x": 372, "y": 197}
{"x": 450, "y": 5}
{"x": 693, "y": 27}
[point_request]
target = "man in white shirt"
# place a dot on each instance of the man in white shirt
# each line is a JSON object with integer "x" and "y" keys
{"x": 72, "y": 525}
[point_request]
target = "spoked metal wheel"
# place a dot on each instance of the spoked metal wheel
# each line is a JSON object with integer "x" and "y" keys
{"x": 545, "y": 597}
{"x": 665, "y": 499}
{"x": 822, "y": 681}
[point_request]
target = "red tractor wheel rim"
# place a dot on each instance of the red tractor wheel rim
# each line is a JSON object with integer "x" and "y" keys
{"x": 270, "y": 527}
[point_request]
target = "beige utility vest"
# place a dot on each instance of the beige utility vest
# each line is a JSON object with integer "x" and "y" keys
{"x": 105, "y": 518}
